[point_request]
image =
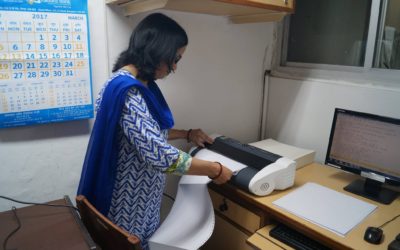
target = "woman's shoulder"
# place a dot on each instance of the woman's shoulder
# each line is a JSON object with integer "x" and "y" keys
{"x": 134, "y": 93}
{"x": 117, "y": 77}
{"x": 121, "y": 75}
{"x": 134, "y": 101}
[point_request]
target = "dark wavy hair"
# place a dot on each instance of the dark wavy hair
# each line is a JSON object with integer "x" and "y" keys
{"x": 156, "y": 39}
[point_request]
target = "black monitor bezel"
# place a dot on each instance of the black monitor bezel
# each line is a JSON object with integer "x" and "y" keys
{"x": 389, "y": 179}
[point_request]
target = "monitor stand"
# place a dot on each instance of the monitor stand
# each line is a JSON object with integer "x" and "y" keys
{"x": 372, "y": 189}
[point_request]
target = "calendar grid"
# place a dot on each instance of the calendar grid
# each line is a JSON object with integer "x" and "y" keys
{"x": 44, "y": 63}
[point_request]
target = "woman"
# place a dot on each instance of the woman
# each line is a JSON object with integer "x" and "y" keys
{"x": 128, "y": 154}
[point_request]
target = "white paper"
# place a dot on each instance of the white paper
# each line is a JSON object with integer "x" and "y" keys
{"x": 208, "y": 155}
{"x": 325, "y": 207}
{"x": 190, "y": 222}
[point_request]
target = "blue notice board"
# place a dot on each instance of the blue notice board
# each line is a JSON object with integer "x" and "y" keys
{"x": 45, "y": 70}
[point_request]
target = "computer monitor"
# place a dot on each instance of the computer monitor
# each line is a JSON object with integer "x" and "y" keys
{"x": 368, "y": 145}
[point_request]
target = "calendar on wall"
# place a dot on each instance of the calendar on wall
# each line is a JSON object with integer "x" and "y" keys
{"x": 45, "y": 71}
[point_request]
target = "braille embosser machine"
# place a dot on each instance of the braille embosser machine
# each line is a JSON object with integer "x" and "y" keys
{"x": 255, "y": 170}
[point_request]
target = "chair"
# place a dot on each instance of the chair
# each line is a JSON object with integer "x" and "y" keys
{"x": 105, "y": 233}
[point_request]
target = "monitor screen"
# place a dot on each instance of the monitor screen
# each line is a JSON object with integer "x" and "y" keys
{"x": 368, "y": 145}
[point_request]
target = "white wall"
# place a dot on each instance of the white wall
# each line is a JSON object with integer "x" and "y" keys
{"x": 300, "y": 112}
{"x": 217, "y": 87}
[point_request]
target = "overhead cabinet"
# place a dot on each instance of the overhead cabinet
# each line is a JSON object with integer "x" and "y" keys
{"x": 238, "y": 11}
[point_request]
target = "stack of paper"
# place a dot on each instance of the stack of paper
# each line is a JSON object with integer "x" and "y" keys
{"x": 325, "y": 207}
{"x": 301, "y": 156}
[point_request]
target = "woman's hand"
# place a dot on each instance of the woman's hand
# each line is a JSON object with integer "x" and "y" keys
{"x": 214, "y": 170}
{"x": 224, "y": 174}
{"x": 198, "y": 137}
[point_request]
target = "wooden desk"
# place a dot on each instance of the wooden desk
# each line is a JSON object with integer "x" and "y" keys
{"x": 44, "y": 227}
{"x": 326, "y": 176}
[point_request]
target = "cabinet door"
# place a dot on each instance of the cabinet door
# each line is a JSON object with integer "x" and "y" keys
{"x": 242, "y": 216}
{"x": 226, "y": 236}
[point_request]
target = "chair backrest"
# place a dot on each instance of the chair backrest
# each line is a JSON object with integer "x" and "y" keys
{"x": 105, "y": 233}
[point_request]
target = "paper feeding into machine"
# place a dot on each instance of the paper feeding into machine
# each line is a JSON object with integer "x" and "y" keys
{"x": 256, "y": 171}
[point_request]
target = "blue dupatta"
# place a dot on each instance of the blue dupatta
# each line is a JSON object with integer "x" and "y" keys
{"x": 100, "y": 165}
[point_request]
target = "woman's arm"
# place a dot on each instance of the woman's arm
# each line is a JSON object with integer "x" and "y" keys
{"x": 214, "y": 170}
{"x": 143, "y": 133}
{"x": 177, "y": 134}
{"x": 197, "y": 136}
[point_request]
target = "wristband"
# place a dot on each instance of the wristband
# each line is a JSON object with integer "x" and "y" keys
{"x": 219, "y": 173}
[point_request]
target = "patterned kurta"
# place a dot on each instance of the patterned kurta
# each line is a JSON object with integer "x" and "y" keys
{"x": 144, "y": 156}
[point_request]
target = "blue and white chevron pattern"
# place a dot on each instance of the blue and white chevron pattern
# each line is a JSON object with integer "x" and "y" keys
{"x": 144, "y": 156}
